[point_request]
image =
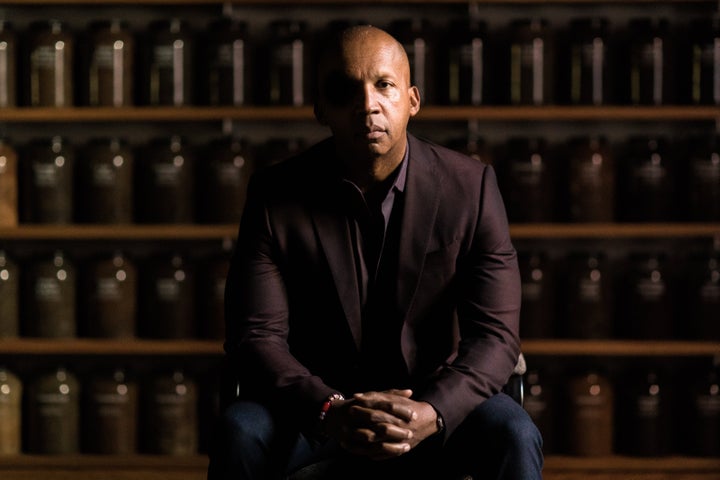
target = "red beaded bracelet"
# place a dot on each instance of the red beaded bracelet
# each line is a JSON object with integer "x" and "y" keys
{"x": 328, "y": 403}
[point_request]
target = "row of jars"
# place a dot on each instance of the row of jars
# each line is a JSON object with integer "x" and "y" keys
{"x": 589, "y": 179}
{"x": 529, "y": 62}
{"x": 113, "y": 413}
{"x": 109, "y": 181}
{"x": 594, "y": 413}
{"x": 585, "y": 179}
{"x": 112, "y": 296}
{"x": 641, "y": 295}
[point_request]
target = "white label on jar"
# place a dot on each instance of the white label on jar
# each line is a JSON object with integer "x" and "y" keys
{"x": 651, "y": 289}
{"x": 227, "y": 174}
{"x": 166, "y": 174}
{"x": 3, "y": 164}
{"x": 47, "y": 289}
{"x": 589, "y": 290}
{"x": 710, "y": 292}
{"x": 45, "y": 175}
{"x": 118, "y": 66}
{"x": 4, "y": 83}
{"x": 531, "y": 291}
{"x": 238, "y": 66}
{"x": 648, "y": 406}
{"x": 108, "y": 289}
{"x": 103, "y": 175}
{"x": 168, "y": 289}
{"x": 220, "y": 288}
{"x": 178, "y": 52}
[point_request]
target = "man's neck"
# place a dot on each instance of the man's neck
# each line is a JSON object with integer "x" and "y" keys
{"x": 368, "y": 172}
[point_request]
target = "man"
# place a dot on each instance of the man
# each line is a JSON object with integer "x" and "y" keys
{"x": 373, "y": 298}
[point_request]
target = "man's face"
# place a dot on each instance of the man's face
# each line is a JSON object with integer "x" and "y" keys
{"x": 366, "y": 98}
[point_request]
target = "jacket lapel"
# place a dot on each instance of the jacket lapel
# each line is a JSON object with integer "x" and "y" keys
{"x": 332, "y": 230}
{"x": 418, "y": 220}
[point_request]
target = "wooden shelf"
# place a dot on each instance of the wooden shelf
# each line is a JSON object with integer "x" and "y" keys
{"x": 614, "y": 230}
{"x": 194, "y": 467}
{"x": 554, "y": 347}
{"x": 305, "y": 113}
{"x": 619, "y": 348}
{"x": 139, "y": 347}
{"x": 223, "y": 232}
{"x": 614, "y": 467}
{"x": 104, "y": 467}
{"x": 349, "y": 2}
{"x": 119, "y": 232}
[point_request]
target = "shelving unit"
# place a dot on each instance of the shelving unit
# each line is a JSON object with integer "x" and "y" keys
{"x": 150, "y": 467}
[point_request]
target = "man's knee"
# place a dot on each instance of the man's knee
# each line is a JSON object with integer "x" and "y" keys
{"x": 245, "y": 422}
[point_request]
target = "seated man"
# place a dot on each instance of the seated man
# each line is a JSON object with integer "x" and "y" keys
{"x": 373, "y": 298}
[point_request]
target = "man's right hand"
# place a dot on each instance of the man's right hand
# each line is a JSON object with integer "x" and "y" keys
{"x": 376, "y": 425}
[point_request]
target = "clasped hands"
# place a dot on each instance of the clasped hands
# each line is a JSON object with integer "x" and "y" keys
{"x": 380, "y": 425}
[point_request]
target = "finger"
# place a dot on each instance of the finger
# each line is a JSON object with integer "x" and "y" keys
{"x": 396, "y": 405}
{"x": 407, "y": 393}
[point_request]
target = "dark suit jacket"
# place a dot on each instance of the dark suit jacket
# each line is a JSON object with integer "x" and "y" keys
{"x": 292, "y": 307}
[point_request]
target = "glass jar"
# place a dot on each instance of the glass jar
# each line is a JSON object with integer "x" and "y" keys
{"x": 703, "y": 297}
{"x": 644, "y": 426}
{"x": 591, "y": 415}
{"x": 48, "y": 182}
{"x": 222, "y": 180}
{"x": 110, "y": 414}
{"x": 415, "y": 35}
{"x": 110, "y": 286}
{"x": 170, "y": 71}
{"x": 531, "y": 62}
{"x": 168, "y": 307}
{"x": 588, "y": 294}
{"x": 647, "y": 183}
{"x": 704, "y": 435}
{"x": 288, "y": 72}
{"x": 587, "y": 69}
{"x": 703, "y": 179}
{"x": 537, "y": 315}
{"x": 51, "y": 48}
{"x": 648, "y": 298}
{"x": 8, "y": 185}
{"x": 540, "y": 403}
{"x": 165, "y": 185}
{"x": 9, "y": 297}
{"x": 465, "y": 65}
{"x": 591, "y": 180}
{"x": 705, "y": 61}
{"x": 529, "y": 181}
{"x": 211, "y": 296}
{"x": 650, "y": 62}
{"x": 8, "y": 65}
{"x": 171, "y": 421}
{"x": 50, "y": 298}
{"x": 10, "y": 413}
{"x": 54, "y": 413}
{"x": 105, "y": 181}
{"x": 112, "y": 64}
{"x": 228, "y": 69}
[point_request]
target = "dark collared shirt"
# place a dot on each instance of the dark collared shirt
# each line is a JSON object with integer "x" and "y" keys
{"x": 374, "y": 224}
{"x": 368, "y": 219}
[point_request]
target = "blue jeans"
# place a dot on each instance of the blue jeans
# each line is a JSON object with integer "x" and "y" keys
{"x": 498, "y": 440}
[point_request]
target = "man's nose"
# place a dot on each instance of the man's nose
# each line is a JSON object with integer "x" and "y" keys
{"x": 367, "y": 99}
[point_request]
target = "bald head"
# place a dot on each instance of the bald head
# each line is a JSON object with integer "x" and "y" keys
{"x": 355, "y": 44}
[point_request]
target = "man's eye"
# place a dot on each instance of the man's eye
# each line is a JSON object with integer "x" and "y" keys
{"x": 384, "y": 84}
{"x": 339, "y": 90}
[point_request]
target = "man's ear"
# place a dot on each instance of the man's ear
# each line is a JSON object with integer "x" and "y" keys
{"x": 414, "y": 95}
{"x": 319, "y": 112}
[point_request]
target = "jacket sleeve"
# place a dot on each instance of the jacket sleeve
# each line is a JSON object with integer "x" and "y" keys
{"x": 257, "y": 316}
{"x": 488, "y": 307}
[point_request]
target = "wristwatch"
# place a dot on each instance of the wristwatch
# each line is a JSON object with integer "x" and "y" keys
{"x": 439, "y": 422}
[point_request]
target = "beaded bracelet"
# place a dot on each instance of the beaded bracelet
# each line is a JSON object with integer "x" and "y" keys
{"x": 328, "y": 403}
